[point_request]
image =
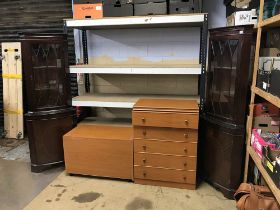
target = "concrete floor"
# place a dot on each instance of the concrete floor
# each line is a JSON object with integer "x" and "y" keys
{"x": 13, "y": 149}
{"x": 88, "y": 193}
{"x": 18, "y": 186}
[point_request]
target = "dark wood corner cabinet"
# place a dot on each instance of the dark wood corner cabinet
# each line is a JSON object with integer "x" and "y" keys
{"x": 222, "y": 124}
{"x": 47, "y": 95}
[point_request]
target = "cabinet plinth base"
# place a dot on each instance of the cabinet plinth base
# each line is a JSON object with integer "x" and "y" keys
{"x": 165, "y": 184}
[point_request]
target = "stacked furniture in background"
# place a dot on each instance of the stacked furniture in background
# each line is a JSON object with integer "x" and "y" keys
{"x": 224, "y": 119}
{"x": 47, "y": 94}
{"x": 165, "y": 142}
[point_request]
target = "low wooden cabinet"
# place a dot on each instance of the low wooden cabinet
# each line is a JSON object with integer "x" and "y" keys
{"x": 99, "y": 150}
{"x": 165, "y": 142}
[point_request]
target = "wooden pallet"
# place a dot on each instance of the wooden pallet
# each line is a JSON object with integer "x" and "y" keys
{"x": 12, "y": 90}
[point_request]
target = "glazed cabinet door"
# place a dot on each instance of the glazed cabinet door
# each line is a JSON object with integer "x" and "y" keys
{"x": 228, "y": 74}
{"x": 45, "y": 67}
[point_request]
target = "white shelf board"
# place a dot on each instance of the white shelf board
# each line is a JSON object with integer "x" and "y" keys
{"x": 106, "y": 121}
{"x": 119, "y": 100}
{"x": 195, "y": 19}
{"x": 137, "y": 70}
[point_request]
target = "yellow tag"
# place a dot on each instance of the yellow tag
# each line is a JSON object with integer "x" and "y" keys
{"x": 12, "y": 76}
{"x": 270, "y": 166}
{"x": 13, "y": 111}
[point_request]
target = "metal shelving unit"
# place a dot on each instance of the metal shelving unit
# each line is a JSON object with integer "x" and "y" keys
{"x": 263, "y": 25}
{"x": 189, "y": 20}
{"x": 192, "y": 69}
{"x": 118, "y": 100}
{"x": 160, "y": 21}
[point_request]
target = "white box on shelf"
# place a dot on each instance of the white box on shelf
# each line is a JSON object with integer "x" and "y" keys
{"x": 243, "y": 18}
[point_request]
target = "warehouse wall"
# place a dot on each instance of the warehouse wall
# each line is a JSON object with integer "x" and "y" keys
{"x": 33, "y": 16}
{"x": 217, "y": 13}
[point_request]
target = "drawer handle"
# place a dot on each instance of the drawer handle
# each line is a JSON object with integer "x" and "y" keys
{"x": 144, "y": 133}
{"x": 144, "y": 147}
{"x": 185, "y": 150}
{"x": 144, "y": 174}
{"x": 144, "y": 160}
{"x": 186, "y": 135}
{"x": 185, "y": 164}
{"x": 185, "y": 178}
{"x": 186, "y": 122}
{"x": 143, "y": 120}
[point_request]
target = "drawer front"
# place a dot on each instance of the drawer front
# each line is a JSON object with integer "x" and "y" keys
{"x": 187, "y": 135}
{"x": 165, "y": 161}
{"x": 165, "y": 147}
{"x": 165, "y": 119}
{"x": 167, "y": 175}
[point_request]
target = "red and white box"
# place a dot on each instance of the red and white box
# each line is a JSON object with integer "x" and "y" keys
{"x": 257, "y": 142}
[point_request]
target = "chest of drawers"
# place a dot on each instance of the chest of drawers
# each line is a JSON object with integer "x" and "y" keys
{"x": 165, "y": 142}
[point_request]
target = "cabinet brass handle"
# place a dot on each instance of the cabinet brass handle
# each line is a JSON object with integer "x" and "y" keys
{"x": 143, "y": 120}
{"x": 185, "y": 164}
{"x": 144, "y": 174}
{"x": 186, "y": 135}
{"x": 144, "y": 133}
{"x": 144, "y": 147}
{"x": 185, "y": 178}
{"x": 144, "y": 160}
{"x": 186, "y": 122}
{"x": 185, "y": 150}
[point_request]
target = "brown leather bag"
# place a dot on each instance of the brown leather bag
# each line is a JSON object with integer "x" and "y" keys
{"x": 254, "y": 197}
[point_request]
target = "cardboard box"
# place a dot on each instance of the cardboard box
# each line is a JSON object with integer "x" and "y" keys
{"x": 266, "y": 109}
{"x": 117, "y": 10}
{"x": 245, "y": 18}
{"x": 242, "y": 18}
{"x": 88, "y": 11}
{"x": 230, "y": 20}
{"x": 273, "y": 169}
{"x": 151, "y": 8}
{"x": 257, "y": 142}
{"x": 270, "y": 52}
{"x": 244, "y": 4}
{"x": 183, "y": 7}
{"x": 273, "y": 38}
{"x": 148, "y": 1}
{"x": 269, "y": 63}
{"x": 117, "y": 2}
{"x": 263, "y": 80}
{"x": 267, "y": 123}
{"x": 275, "y": 83}
{"x": 240, "y": 5}
{"x": 87, "y": 1}
{"x": 267, "y": 66}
